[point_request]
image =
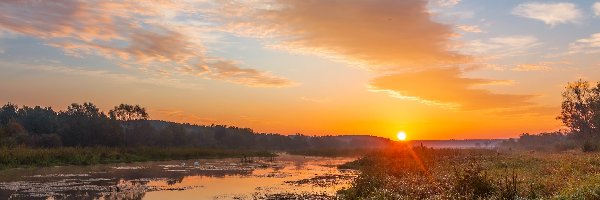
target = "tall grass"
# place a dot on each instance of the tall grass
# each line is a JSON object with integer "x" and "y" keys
{"x": 27, "y": 157}
{"x": 474, "y": 174}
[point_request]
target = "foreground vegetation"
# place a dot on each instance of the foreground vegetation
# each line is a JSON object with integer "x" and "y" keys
{"x": 27, "y": 157}
{"x": 423, "y": 173}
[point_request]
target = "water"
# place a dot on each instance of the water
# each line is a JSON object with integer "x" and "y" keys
{"x": 287, "y": 176}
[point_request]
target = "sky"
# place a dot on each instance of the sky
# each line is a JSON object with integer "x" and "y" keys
{"x": 438, "y": 69}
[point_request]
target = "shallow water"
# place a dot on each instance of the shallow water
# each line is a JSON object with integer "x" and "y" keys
{"x": 287, "y": 176}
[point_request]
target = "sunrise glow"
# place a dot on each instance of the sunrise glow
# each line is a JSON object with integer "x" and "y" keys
{"x": 401, "y": 136}
{"x": 309, "y": 67}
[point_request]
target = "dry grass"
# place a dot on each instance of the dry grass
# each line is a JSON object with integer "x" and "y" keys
{"x": 475, "y": 174}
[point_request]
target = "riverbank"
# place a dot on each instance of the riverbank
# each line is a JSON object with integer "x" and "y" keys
{"x": 27, "y": 157}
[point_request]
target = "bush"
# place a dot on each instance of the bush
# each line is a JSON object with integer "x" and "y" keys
{"x": 473, "y": 183}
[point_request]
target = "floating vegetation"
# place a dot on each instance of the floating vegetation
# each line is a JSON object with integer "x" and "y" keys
{"x": 298, "y": 196}
{"x": 294, "y": 178}
{"x": 129, "y": 167}
{"x": 323, "y": 180}
{"x": 59, "y": 175}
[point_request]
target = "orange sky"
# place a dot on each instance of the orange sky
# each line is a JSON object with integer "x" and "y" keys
{"x": 438, "y": 69}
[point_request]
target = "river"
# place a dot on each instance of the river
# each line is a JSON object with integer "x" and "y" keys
{"x": 287, "y": 176}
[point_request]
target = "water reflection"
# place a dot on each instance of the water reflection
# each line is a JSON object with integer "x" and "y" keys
{"x": 207, "y": 179}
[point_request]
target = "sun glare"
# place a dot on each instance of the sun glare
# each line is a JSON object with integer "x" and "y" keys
{"x": 401, "y": 136}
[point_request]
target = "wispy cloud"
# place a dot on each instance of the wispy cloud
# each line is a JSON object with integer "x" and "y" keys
{"x": 590, "y": 45}
{"x": 498, "y": 47}
{"x": 530, "y": 67}
{"x": 469, "y": 28}
{"x": 135, "y": 33}
{"x": 596, "y": 8}
{"x": 56, "y": 67}
{"x": 228, "y": 70}
{"x": 447, "y": 88}
{"x": 445, "y": 3}
{"x": 549, "y": 13}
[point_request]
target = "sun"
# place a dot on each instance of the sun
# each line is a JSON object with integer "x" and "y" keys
{"x": 401, "y": 136}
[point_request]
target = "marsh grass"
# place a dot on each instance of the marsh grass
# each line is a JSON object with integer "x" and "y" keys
{"x": 27, "y": 157}
{"x": 474, "y": 174}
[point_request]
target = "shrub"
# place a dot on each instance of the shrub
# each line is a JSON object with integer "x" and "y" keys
{"x": 473, "y": 183}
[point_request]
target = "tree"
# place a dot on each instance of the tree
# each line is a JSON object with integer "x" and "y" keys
{"x": 38, "y": 120}
{"x": 13, "y": 128}
{"x": 85, "y": 125}
{"x": 16, "y": 134}
{"x": 8, "y": 112}
{"x": 581, "y": 109}
{"x": 126, "y": 112}
{"x": 86, "y": 109}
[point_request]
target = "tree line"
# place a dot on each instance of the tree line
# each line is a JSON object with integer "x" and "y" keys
{"x": 85, "y": 125}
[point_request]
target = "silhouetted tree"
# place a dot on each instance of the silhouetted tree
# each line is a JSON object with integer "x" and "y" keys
{"x": 581, "y": 109}
{"x": 7, "y": 112}
{"x": 38, "y": 120}
{"x": 85, "y": 125}
{"x": 126, "y": 112}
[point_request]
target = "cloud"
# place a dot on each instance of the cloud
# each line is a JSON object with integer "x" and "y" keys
{"x": 227, "y": 70}
{"x": 447, "y": 88}
{"x": 56, "y": 67}
{"x": 550, "y": 13}
{"x": 530, "y": 67}
{"x": 590, "y": 45}
{"x": 445, "y": 3}
{"x": 469, "y": 28}
{"x": 381, "y": 34}
{"x": 498, "y": 47}
{"x": 596, "y": 8}
{"x": 388, "y": 37}
{"x": 134, "y": 33}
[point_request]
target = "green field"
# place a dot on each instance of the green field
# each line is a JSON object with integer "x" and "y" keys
{"x": 27, "y": 157}
{"x": 422, "y": 173}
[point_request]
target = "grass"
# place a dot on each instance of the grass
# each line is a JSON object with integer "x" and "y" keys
{"x": 26, "y": 157}
{"x": 474, "y": 174}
